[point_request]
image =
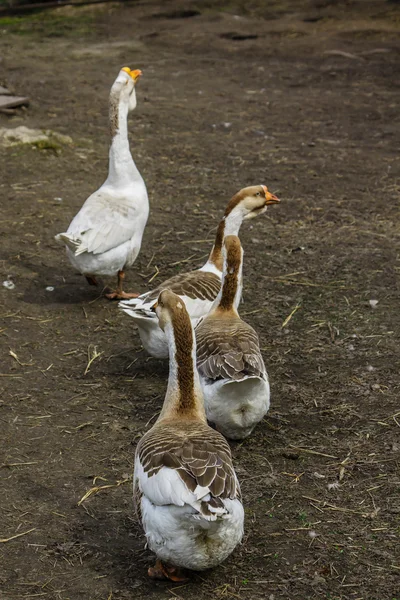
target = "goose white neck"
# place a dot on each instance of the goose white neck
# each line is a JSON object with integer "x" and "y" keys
{"x": 184, "y": 396}
{"x": 229, "y": 225}
{"x": 122, "y": 169}
{"x": 233, "y": 221}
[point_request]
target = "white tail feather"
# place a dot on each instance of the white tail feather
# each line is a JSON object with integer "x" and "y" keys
{"x": 72, "y": 243}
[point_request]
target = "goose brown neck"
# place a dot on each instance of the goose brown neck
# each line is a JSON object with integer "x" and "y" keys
{"x": 183, "y": 334}
{"x": 184, "y": 399}
{"x": 216, "y": 252}
{"x": 231, "y": 278}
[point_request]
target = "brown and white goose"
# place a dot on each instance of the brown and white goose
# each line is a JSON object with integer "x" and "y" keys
{"x": 231, "y": 368}
{"x": 185, "y": 486}
{"x": 197, "y": 288}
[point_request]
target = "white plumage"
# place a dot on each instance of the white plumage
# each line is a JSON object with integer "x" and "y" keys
{"x": 235, "y": 407}
{"x": 105, "y": 237}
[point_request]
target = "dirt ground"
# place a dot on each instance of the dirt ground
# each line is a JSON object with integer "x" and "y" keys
{"x": 302, "y": 96}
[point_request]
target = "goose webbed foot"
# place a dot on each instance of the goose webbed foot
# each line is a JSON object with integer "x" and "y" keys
{"x": 118, "y": 293}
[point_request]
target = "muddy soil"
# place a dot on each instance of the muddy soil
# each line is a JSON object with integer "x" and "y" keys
{"x": 299, "y": 95}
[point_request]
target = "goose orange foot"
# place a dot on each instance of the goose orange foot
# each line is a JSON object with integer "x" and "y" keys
{"x": 163, "y": 571}
{"x": 118, "y": 294}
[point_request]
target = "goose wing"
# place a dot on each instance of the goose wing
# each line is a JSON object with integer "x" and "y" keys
{"x": 228, "y": 349}
{"x": 105, "y": 221}
{"x": 186, "y": 467}
{"x": 192, "y": 286}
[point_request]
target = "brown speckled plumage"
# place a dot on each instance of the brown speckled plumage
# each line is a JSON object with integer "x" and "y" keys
{"x": 201, "y": 285}
{"x": 200, "y": 455}
{"x": 228, "y": 349}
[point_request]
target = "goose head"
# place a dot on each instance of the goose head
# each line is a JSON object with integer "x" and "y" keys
{"x": 251, "y": 202}
{"x": 170, "y": 310}
{"x": 124, "y": 86}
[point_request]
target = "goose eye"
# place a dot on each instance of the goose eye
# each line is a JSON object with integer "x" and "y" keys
{"x": 258, "y": 194}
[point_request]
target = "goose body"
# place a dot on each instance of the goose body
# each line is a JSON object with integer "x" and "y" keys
{"x": 185, "y": 487}
{"x": 105, "y": 237}
{"x": 199, "y": 288}
{"x": 232, "y": 371}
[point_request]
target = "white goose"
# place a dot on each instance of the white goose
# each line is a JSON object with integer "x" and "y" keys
{"x": 185, "y": 488}
{"x": 197, "y": 288}
{"x": 104, "y": 238}
{"x": 231, "y": 368}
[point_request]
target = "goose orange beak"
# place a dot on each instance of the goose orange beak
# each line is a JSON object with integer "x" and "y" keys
{"x": 135, "y": 74}
{"x": 270, "y": 198}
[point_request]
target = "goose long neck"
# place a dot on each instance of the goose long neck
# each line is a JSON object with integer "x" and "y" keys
{"x": 229, "y": 225}
{"x": 122, "y": 169}
{"x": 230, "y": 294}
{"x": 184, "y": 398}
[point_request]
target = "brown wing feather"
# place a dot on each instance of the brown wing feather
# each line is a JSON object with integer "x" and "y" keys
{"x": 201, "y": 456}
{"x": 137, "y": 497}
{"x": 200, "y": 285}
{"x": 228, "y": 349}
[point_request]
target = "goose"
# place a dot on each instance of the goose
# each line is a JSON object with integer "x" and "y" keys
{"x": 104, "y": 238}
{"x": 197, "y": 288}
{"x": 231, "y": 369}
{"x": 185, "y": 488}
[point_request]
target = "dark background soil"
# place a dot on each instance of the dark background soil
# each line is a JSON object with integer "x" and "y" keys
{"x": 302, "y": 96}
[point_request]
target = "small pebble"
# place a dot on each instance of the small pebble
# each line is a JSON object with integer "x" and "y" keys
{"x": 49, "y": 288}
{"x": 312, "y": 534}
{"x": 373, "y": 303}
{"x": 370, "y": 368}
{"x": 58, "y": 199}
{"x": 350, "y": 347}
{"x": 8, "y": 284}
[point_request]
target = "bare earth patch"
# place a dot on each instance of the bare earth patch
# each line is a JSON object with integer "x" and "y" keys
{"x": 301, "y": 96}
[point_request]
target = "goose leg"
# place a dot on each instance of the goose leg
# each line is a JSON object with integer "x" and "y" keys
{"x": 91, "y": 280}
{"x": 119, "y": 294}
{"x": 163, "y": 571}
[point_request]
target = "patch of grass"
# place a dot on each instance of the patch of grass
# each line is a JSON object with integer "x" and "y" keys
{"x": 303, "y": 517}
{"x": 48, "y": 25}
{"x": 46, "y": 145}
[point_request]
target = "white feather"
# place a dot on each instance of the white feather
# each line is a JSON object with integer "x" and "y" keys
{"x": 175, "y": 531}
{"x": 106, "y": 235}
{"x": 235, "y": 407}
